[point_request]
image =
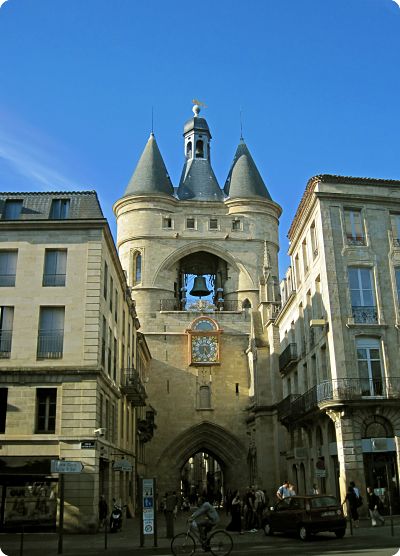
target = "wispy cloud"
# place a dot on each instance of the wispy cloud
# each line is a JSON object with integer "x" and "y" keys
{"x": 24, "y": 153}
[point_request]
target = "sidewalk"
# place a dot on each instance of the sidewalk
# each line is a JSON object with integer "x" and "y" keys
{"x": 127, "y": 541}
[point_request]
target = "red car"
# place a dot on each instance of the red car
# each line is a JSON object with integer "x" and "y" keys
{"x": 305, "y": 515}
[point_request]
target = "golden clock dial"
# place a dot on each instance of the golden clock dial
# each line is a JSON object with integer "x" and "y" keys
{"x": 204, "y": 349}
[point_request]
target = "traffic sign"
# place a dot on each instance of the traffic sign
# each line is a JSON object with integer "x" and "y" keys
{"x": 62, "y": 466}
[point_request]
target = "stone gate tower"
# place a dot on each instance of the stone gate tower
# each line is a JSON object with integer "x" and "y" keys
{"x": 210, "y": 381}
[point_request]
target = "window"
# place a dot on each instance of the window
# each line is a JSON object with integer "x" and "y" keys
{"x": 137, "y": 268}
{"x": 59, "y": 209}
{"x": 8, "y": 267}
{"x": 115, "y": 359}
{"x": 190, "y": 223}
{"x": 101, "y": 416}
{"x": 103, "y": 342}
{"x": 305, "y": 256}
{"x": 55, "y": 265}
{"x": 109, "y": 351}
{"x": 167, "y": 222}
{"x": 51, "y": 333}
{"x": 354, "y": 227}
{"x": 313, "y": 237}
{"x": 116, "y": 306}
{"x": 297, "y": 270}
{"x": 199, "y": 149}
{"x": 204, "y": 397}
{"x": 3, "y": 409}
{"x": 362, "y": 296}
{"x": 6, "y": 328}
{"x": 12, "y": 209}
{"x": 213, "y": 224}
{"x": 236, "y": 225}
{"x": 397, "y": 274}
{"x": 189, "y": 149}
{"x": 395, "y": 223}
{"x": 46, "y": 405}
{"x": 111, "y": 293}
{"x": 105, "y": 283}
{"x": 369, "y": 366}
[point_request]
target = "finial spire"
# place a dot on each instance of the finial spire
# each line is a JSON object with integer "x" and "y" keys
{"x": 197, "y": 107}
{"x": 241, "y": 125}
{"x": 152, "y": 121}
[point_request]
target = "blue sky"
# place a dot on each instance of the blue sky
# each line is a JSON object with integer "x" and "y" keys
{"x": 318, "y": 83}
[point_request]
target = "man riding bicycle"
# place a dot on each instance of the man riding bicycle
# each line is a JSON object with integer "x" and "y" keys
{"x": 208, "y": 518}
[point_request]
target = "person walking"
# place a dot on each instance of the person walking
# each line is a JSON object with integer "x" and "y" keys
{"x": 236, "y": 514}
{"x": 374, "y": 504}
{"x": 352, "y": 500}
{"x": 103, "y": 511}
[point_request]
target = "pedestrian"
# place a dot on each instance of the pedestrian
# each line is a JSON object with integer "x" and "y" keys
{"x": 103, "y": 511}
{"x": 249, "y": 511}
{"x": 315, "y": 489}
{"x": 352, "y": 500}
{"x": 283, "y": 491}
{"x": 292, "y": 490}
{"x": 374, "y": 505}
{"x": 259, "y": 505}
{"x": 236, "y": 514}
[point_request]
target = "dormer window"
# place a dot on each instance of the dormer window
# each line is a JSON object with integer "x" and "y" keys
{"x": 59, "y": 209}
{"x": 199, "y": 149}
{"x": 12, "y": 209}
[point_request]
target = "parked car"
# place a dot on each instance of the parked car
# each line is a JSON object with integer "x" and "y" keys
{"x": 305, "y": 515}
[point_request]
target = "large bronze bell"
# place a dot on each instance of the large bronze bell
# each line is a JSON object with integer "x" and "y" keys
{"x": 199, "y": 287}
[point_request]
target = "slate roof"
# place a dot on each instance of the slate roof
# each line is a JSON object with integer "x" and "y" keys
{"x": 198, "y": 182}
{"x": 244, "y": 179}
{"x": 83, "y": 205}
{"x": 150, "y": 176}
{"x": 198, "y": 124}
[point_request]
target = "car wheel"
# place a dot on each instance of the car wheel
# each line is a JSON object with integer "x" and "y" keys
{"x": 268, "y": 529}
{"x": 303, "y": 533}
{"x": 340, "y": 533}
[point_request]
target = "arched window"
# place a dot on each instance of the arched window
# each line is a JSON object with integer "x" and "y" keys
{"x": 377, "y": 427}
{"x": 189, "y": 149}
{"x": 137, "y": 268}
{"x": 199, "y": 149}
{"x": 246, "y": 304}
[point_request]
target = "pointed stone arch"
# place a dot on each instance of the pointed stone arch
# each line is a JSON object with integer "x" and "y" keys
{"x": 178, "y": 254}
{"x": 207, "y": 437}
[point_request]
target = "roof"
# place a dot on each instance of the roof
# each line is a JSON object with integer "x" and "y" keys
{"x": 333, "y": 178}
{"x": 150, "y": 176}
{"x": 198, "y": 182}
{"x": 198, "y": 124}
{"x": 244, "y": 179}
{"x": 83, "y": 205}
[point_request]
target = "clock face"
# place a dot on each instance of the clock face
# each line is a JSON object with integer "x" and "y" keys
{"x": 204, "y": 349}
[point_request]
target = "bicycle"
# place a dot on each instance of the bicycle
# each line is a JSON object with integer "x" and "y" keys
{"x": 217, "y": 541}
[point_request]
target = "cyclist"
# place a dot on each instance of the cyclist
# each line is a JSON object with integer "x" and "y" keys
{"x": 204, "y": 518}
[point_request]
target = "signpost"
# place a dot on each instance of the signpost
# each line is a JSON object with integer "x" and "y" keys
{"x": 148, "y": 521}
{"x": 122, "y": 465}
{"x": 61, "y": 466}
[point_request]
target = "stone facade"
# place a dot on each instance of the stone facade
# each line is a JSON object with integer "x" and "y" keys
{"x": 63, "y": 380}
{"x": 338, "y": 338}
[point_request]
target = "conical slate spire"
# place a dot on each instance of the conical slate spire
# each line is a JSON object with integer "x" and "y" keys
{"x": 244, "y": 179}
{"x": 150, "y": 176}
{"x": 198, "y": 182}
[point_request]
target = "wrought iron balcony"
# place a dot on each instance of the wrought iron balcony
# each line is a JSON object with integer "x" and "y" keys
{"x": 132, "y": 387}
{"x": 55, "y": 280}
{"x": 355, "y": 240}
{"x": 199, "y": 306}
{"x": 7, "y": 280}
{"x": 341, "y": 390}
{"x": 5, "y": 343}
{"x": 50, "y": 344}
{"x": 365, "y": 315}
{"x": 288, "y": 358}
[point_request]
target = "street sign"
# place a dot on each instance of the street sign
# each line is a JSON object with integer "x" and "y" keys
{"x": 62, "y": 466}
{"x": 148, "y": 506}
{"x": 122, "y": 465}
{"x": 88, "y": 445}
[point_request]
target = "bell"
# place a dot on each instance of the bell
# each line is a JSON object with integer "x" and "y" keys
{"x": 199, "y": 287}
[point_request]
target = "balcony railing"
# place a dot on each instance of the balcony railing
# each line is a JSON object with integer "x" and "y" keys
{"x": 355, "y": 240}
{"x": 365, "y": 315}
{"x": 50, "y": 344}
{"x": 338, "y": 390}
{"x": 288, "y": 358}
{"x": 55, "y": 280}
{"x": 132, "y": 387}
{"x": 5, "y": 344}
{"x": 199, "y": 306}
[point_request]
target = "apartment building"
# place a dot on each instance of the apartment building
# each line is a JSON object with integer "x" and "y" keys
{"x": 339, "y": 338}
{"x": 72, "y": 362}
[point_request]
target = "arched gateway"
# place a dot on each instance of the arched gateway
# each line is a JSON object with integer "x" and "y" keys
{"x": 201, "y": 262}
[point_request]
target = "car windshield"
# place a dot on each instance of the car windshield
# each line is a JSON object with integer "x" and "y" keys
{"x": 323, "y": 502}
